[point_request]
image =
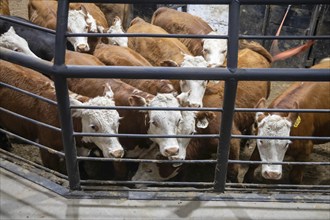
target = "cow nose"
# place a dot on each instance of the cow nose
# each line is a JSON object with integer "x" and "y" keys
{"x": 195, "y": 105}
{"x": 117, "y": 153}
{"x": 171, "y": 151}
{"x": 272, "y": 175}
{"x": 82, "y": 48}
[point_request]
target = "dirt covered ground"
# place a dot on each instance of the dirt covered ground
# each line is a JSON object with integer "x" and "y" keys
{"x": 313, "y": 174}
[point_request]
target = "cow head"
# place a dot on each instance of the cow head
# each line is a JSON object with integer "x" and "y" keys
{"x": 273, "y": 150}
{"x": 80, "y": 21}
{"x": 154, "y": 171}
{"x": 161, "y": 122}
{"x": 100, "y": 121}
{"x": 194, "y": 89}
{"x": 12, "y": 41}
{"x": 117, "y": 28}
{"x": 214, "y": 50}
{"x": 165, "y": 122}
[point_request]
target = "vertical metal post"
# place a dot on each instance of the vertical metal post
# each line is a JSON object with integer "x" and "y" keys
{"x": 229, "y": 99}
{"x": 63, "y": 97}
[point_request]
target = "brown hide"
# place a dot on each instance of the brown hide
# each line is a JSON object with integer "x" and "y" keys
{"x": 133, "y": 121}
{"x": 43, "y": 13}
{"x": 4, "y": 7}
{"x": 176, "y": 22}
{"x": 247, "y": 96}
{"x": 308, "y": 95}
{"x": 119, "y": 56}
{"x": 28, "y": 106}
{"x": 123, "y": 56}
{"x": 155, "y": 50}
{"x": 123, "y": 11}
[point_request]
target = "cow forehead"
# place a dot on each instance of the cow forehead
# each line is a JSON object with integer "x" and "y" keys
{"x": 103, "y": 116}
{"x": 215, "y": 44}
{"x": 164, "y": 100}
{"x": 274, "y": 125}
{"x": 193, "y": 61}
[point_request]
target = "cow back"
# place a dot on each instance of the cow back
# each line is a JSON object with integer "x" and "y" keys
{"x": 155, "y": 50}
{"x": 176, "y": 22}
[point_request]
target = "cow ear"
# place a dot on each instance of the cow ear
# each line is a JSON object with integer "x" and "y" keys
{"x": 169, "y": 63}
{"x": 261, "y": 103}
{"x": 136, "y": 100}
{"x": 108, "y": 91}
{"x": 117, "y": 21}
{"x": 83, "y": 9}
{"x": 293, "y": 115}
{"x": 11, "y": 30}
{"x": 182, "y": 98}
{"x": 203, "y": 119}
{"x": 76, "y": 112}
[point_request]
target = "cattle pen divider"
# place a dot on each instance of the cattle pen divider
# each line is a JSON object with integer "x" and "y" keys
{"x": 73, "y": 187}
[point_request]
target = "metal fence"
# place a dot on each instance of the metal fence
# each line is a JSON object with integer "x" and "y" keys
{"x": 216, "y": 190}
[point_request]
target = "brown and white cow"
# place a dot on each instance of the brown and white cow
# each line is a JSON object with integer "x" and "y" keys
{"x": 168, "y": 52}
{"x": 135, "y": 122}
{"x": 248, "y": 95}
{"x": 300, "y": 95}
{"x": 85, "y": 120}
{"x": 80, "y": 20}
{"x": 12, "y": 41}
{"x": 177, "y": 22}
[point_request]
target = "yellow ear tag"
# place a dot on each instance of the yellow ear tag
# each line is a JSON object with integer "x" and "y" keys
{"x": 297, "y": 122}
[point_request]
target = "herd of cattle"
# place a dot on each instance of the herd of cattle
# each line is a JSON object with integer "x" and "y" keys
{"x": 148, "y": 51}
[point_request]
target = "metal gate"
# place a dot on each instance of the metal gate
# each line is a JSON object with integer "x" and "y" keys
{"x": 215, "y": 190}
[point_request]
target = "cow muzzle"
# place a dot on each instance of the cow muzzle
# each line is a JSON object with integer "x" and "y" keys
{"x": 82, "y": 48}
{"x": 273, "y": 174}
{"x": 116, "y": 153}
{"x": 171, "y": 151}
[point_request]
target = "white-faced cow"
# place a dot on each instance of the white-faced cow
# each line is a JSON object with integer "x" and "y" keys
{"x": 202, "y": 148}
{"x": 12, "y": 41}
{"x": 176, "y": 22}
{"x": 41, "y": 43}
{"x": 85, "y": 120}
{"x": 135, "y": 122}
{"x": 300, "y": 95}
{"x": 80, "y": 20}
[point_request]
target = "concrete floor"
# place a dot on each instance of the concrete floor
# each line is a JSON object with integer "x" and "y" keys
{"x": 22, "y": 199}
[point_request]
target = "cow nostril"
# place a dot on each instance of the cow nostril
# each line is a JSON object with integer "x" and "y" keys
{"x": 117, "y": 153}
{"x": 195, "y": 105}
{"x": 172, "y": 151}
{"x": 82, "y": 48}
{"x": 272, "y": 175}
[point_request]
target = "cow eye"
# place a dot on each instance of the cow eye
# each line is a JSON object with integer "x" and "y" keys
{"x": 154, "y": 123}
{"x": 206, "y": 51}
{"x": 95, "y": 127}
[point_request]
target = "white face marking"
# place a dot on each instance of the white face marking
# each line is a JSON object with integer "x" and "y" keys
{"x": 151, "y": 171}
{"x": 194, "y": 88}
{"x": 165, "y": 123}
{"x": 214, "y": 50}
{"x": 100, "y": 121}
{"x": 273, "y": 150}
{"x": 12, "y": 41}
{"x": 79, "y": 22}
{"x": 117, "y": 28}
{"x": 186, "y": 127}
